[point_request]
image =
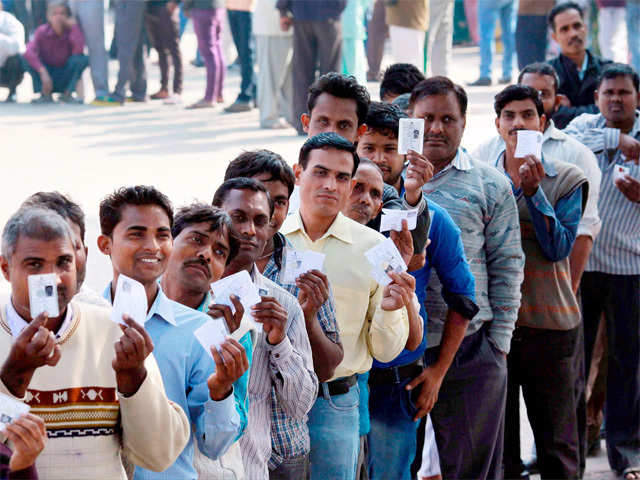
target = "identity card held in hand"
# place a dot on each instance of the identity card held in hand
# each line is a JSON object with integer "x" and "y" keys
{"x": 130, "y": 299}
{"x": 385, "y": 258}
{"x": 410, "y": 135}
{"x": 43, "y": 295}
{"x": 392, "y": 219}
{"x": 10, "y": 410}
{"x": 529, "y": 143}
{"x": 298, "y": 262}
{"x": 212, "y": 334}
{"x": 619, "y": 171}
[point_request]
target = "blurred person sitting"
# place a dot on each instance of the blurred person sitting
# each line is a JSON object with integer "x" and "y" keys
{"x": 54, "y": 56}
{"x": 11, "y": 44}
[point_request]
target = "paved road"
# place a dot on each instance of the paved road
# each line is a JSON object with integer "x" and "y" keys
{"x": 87, "y": 151}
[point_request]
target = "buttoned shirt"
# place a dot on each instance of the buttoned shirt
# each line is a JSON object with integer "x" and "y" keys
{"x": 290, "y": 436}
{"x": 480, "y": 201}
{"x": 557, "y": 145}
{"x": 48, "y": 48}
{"x": 286, "y": 368}
{"x": 185, "y": 367}
{"x": 617, "y": 249}
{"x": 366, "y": 330}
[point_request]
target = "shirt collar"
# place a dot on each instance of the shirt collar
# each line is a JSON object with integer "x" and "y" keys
{"x": 338, "y": 229}
{"x": 17, "y": 323}
{"x": 552, "y": 132}
{"x": 161, "y": 306}
{"x": 460, "y": 162}
{"x": 549, "y": 168}
{"x": 583, "y": 68}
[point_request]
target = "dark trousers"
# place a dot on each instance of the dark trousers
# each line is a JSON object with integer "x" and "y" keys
{"x": 129, "y": 42}
{"x": 241, "y": 31}
{"x": 542, "y": 362}
{"x": 64, "y": 78}
{"x": 468, "y": 418}
{"x": 531, "y": 39}
{"x": 163, "y": 29}
{"x": 315, "y": 44}
{"x": 618, "y": 297}
{"x": 376, "y": 35}
{"x": 581, "y": 399}
{"x": 291, "y": 469}
{"x": 12, "y": 73}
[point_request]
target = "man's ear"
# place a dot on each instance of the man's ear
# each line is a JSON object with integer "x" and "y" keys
{"x": 305, "y": 119}
{"x": 297, "y": 171}
{"x": 595, "y": 96}
{"x": 557, "y": 102}
{"x": 361, "y": 129}
{"x": 105, "y": 244}
{"x": 554, "y": 36}
{"x": 4, "y": 265}
{"x": 497, "y": 123}
{"x": 543, "y": 122}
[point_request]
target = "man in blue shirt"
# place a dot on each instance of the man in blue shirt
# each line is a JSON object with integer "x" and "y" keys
{"x": 135, "y": 224}
{"x": 551, "y": 196}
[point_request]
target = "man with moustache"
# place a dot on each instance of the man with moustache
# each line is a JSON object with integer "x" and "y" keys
{"x": 611, "y": 281}
{"x": 101, "y": 371}
{"x": 555, "y": 145}
{"x": 577, "y": 67}
{"x": 135, "y": 225}
{"x": 551, "y": 196}
{"x": 282, "y": 360}
{"x": 467, "y": 359}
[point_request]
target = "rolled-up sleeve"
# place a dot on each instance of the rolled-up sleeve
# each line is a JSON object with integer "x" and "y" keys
{"x": 388, "y": 330}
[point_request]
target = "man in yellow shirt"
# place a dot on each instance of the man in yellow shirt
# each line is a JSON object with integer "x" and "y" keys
{"x": 371, "y": 319}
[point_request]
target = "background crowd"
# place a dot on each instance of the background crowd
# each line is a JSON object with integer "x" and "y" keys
{"x": 536, "y": 261}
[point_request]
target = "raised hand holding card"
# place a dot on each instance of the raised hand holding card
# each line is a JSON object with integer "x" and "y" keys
{"x": 43, "y": 295}
{"x": 529, "y": 143}
{"x": 411, "y": 135}
{"x": 130, "y": 299}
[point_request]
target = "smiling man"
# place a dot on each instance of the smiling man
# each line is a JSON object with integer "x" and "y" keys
{"x": 577, "y": 67}
{"x": 102, "y": 372}
{"x": 611, "y": 281}
{"x": 135, "y": 224}
{"x": 480, "y": 202}
{"x": 282, "y": 377}
{"x": 551, "y": 196}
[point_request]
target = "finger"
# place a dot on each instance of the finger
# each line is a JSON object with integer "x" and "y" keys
{"x": 216, "y": 311}
{"x": 148, "y": 343}
{"x": 13, "y": 434}
{"x": 37, "y": 420}
{"x": 217, "y": 358}
{"x": 237, "y": 305}
{"x": 228, "y": 352}
{"x": 128, "y": 347}
{"x": 42, "y": 343}
{"x": 54, "y": 357}
{"x": 32, "y": 428}
{"x": 120, "y": 355}
{"x": 33, "y": 326}
{"x": 416, "y": 381}
{"x": 21, "y": 431}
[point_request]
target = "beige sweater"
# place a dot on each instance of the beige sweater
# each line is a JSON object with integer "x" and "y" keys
{"x": 412, "y": 14}
{"x": 88, "y": 421}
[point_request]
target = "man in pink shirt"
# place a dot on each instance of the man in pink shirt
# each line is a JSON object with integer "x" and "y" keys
{"x": 55, "y": 57}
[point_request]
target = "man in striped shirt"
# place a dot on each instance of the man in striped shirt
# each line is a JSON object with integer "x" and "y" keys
{"x": 611, "y": 283}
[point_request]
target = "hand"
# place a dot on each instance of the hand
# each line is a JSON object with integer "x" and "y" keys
{"x": 231, "y": 363}
{"x": 35, "y": 347}
{"x": 531, "y": 174}
{"x": 630, "y": 147}
{"x": 403, "y": 242}
{"x": 564, "y": 100}
{"x": 232, "y": 320}
{"x": 273, "y": 318}
{"x": 47, "y": 83}
{"x": 418, "y": 261}
{"x": 431, "y": 380}
{"x": 630, "y": 188}
{"x": 28, "y": 435}
{"x": 285, "y": 23}
{"x": 399, "y": 292}
{"x": 314, "y": 291}
{"x": 419, "y": 172}
{"x": 131, "y": 351}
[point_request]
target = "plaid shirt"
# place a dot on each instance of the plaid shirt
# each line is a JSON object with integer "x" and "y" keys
{"x": 290, "y": 437}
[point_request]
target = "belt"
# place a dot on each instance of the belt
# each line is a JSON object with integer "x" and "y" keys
{"x": 339, "y": 386}
{"x": 395, "y": 375}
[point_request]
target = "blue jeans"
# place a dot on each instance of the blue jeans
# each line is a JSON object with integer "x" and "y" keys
{"x": 333, "y": 429}
{"x": 633, "y": 34}
{"x": 241, "y": 31}
{"x": 64, "y": 78}
{"x": 488, "y": 12}
{"x": 392, "y": 440}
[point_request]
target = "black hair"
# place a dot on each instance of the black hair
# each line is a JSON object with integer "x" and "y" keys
{"x": 59, "y": 3}
{"x": 541, "y": 68}
{"x": 217, "y": 219}
{"x": 515, "y": 93}
{"x": 614, "y": 70}
{"x": 240, "y": 183}
{"x": 250, "y": 164}
{"x": 112, "y": 205}
{"x": 439, "y": 86}
{"x": 325, "y": 141}
{"x": 400, "y": 78}
{"x": 371, "y": 163}
{"x": 340, "y": 86}
{"x": 563, "y": 7}
{"x": 384, "y": 118}
{"x": 61, "y": 204}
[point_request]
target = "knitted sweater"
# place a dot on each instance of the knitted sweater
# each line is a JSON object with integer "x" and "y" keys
{"x": 88, "y": 422}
